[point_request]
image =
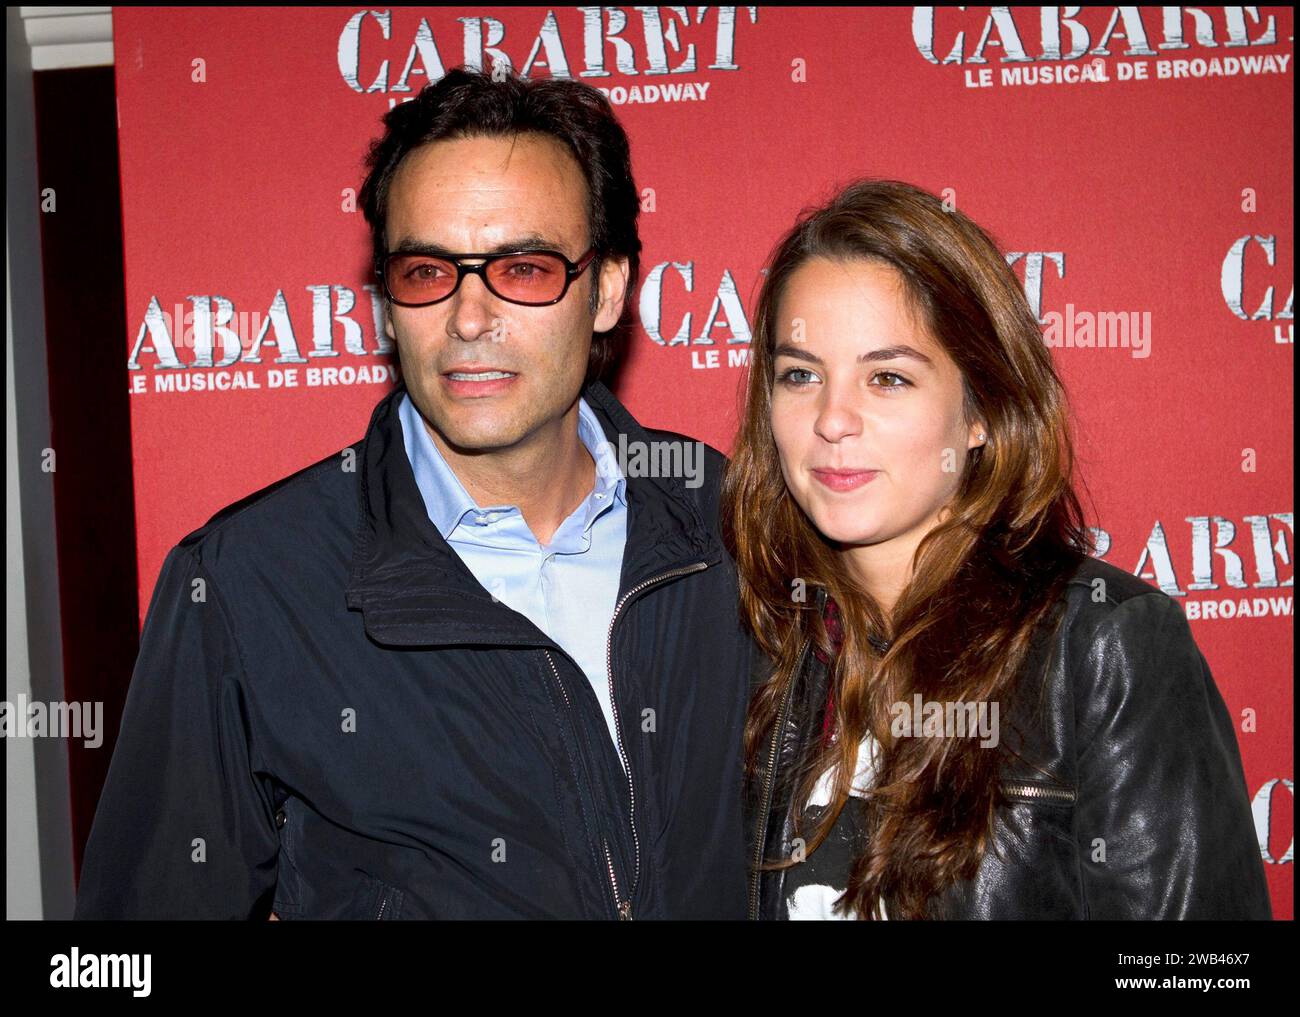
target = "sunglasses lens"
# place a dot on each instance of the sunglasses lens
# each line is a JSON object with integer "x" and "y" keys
{"x": 415, "y": 278}
{"x": 528, "y": 278}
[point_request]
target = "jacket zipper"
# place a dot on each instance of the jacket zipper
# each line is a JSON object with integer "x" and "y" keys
{"x": 768, "y": 779}
{"x": 605, "y": 843}
{"x": 556, "y": 672}
{"x": 625, "y": 903}
{"x": 1038, "y": 791}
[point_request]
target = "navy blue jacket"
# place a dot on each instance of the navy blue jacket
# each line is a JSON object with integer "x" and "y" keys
{"x": 330, "y": 717}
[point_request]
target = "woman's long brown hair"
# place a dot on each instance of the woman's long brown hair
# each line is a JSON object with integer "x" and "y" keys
{"x": 982, "y": 580}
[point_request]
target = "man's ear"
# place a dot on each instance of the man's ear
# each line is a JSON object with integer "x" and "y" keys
{"x": 613, "y": 292}
{"x": 388, "y": 322}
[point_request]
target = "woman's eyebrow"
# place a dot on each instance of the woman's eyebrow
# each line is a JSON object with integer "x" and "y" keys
{"x": 891, "y": 352}
{"x": 884, "y": 353}
{"x": 797, "y": 352}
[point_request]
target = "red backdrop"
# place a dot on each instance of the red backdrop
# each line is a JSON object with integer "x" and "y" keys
{"x": 1134, "y": 161}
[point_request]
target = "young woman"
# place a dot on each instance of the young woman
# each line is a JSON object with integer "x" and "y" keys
{"x": 968, "y": 716}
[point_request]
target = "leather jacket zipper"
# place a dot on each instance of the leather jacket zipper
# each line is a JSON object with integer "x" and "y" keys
{"x": 768, "y": 779}
{"x": 1029, "y": 790}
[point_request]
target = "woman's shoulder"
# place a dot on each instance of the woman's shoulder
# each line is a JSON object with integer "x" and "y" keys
{"x": 1099, "y": 596}
{"x": 1099, "y": 582}
{"x": 1119, "y": 630}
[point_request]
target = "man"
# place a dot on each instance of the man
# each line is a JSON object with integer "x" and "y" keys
{"x": 466, "y": 668}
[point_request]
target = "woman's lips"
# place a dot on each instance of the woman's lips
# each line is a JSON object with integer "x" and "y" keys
{"x": 845, "y": 480}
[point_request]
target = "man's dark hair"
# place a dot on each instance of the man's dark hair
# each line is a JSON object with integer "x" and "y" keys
{"x": 464, "y": 104}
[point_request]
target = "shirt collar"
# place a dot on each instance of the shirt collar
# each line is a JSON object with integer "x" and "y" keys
{"x": 610, "y": 482}
{"x": 445, "y": 496}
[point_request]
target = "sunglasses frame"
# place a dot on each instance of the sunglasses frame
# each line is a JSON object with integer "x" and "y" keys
{"x": 572, "y": 269}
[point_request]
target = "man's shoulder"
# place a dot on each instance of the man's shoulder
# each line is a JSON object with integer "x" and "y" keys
{"x": 696, "y": 467}
{"x": 712, "y": 456}
{"x": 315, "y": 499}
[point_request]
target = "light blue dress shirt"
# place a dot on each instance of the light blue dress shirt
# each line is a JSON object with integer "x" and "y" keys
{"x": 568, "y": 588}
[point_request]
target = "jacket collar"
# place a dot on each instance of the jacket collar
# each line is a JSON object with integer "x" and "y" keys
{"x": 413, "y": 589}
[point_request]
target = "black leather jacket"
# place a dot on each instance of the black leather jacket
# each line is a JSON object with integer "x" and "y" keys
{"x": 1142, "y": 756}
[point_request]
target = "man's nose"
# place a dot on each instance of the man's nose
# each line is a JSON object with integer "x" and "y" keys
{"x": 472, "y": 309}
